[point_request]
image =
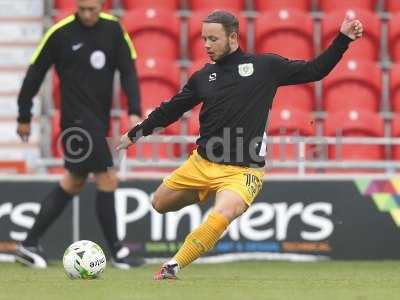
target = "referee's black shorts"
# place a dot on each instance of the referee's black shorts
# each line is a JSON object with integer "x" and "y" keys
{"x": 85, "y": 151}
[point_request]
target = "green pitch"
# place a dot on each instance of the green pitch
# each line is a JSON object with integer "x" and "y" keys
{"x": 245, "y": 280}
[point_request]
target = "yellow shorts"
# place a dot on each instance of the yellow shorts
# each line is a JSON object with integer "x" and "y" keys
{"x": 200, "y": 174}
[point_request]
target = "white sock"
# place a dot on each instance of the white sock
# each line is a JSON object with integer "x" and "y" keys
{"x": 174, "y": 262}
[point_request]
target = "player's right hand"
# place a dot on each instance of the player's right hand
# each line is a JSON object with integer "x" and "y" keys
{"x": 124, "y": 142}
{"x": 24, "y": 131}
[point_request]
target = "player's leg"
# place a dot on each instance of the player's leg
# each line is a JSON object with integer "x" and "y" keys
{"x": 229, "y": 205}
{"x": 166, "y": 199}
{"x": 236, "y": 189}
{"x": 185, "y": 186}
{"x": 107, "y": 183}
{"x": 29, "y": 252}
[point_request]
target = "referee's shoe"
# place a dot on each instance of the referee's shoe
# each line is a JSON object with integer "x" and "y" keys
{"x": 125, "y": 259}
{"x": 32, "y": 256}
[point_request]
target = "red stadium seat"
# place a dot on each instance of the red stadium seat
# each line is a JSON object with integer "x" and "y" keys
{"x": 355, "y": 123}
{"x": 62, "y": 14}
{"x": 289, "y": 122}
{"x": 193, "y": 121}
{"x": 71, "y": 4}
{"x": 193, "y": 126}
{"x": 285, "y": 32}
{"x": 56, "y": 93}
{"x": 396, "y": 133}
{"x": 58, "y": 170}
{"x": 393, "y": 5}
{"x": 56, "y": 150}
{"x": 210, "y": 5}
{"x": 394, "y": 37}
{"x": 395, "y": 87}
{"x": 13, "y": 167}
{"x": 365, "y": 48}
{"x": 196, "y": 66}
{"x": 161, "y": 4}
{"x": 298, "y": 97}
{"x": 159, "y": 81}
{"x": 353, "y": 84}
{"x": 330, "y": 5}
{"x": 154, "y": 31}
{"x": 263, "y": 5}
{"x": 196, "y": 45}
{"x": 148, "y": 151}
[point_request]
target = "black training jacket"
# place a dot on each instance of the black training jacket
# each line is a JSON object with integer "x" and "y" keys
{"x": 236, "y": 94}
{"x": 85, "y": 59}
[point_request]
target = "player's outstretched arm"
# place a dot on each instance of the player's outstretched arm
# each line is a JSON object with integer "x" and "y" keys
{"x": 288, "y": 72}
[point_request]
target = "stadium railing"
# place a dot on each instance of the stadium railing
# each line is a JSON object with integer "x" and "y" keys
{"x": 299, "y": 166}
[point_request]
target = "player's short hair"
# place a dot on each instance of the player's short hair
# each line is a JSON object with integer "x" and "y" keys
{"x": 226, "y": 19}
{"x": 100, "y": 1}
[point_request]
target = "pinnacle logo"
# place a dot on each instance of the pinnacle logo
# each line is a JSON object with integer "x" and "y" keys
{"x": 385, "y": 194}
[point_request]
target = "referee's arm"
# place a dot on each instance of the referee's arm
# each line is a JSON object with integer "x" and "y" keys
{"x": 40, "y": 62}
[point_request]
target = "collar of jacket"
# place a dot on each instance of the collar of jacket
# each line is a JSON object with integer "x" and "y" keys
{"x": 230, "y": 58}
{"x": 78, "y": 20}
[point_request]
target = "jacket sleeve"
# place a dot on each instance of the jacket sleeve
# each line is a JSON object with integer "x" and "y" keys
{"x": 168, "y": 112}
{"x": 126, "y": 56}
{"x": 290, "y": 72}
{"x": 41, "y": 60}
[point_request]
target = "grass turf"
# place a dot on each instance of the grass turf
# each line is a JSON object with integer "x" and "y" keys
{"x": 358, "y": 280}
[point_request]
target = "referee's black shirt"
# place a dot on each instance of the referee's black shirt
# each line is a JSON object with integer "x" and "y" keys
{"x": 237, "y": 93}
{"x": 85, "y": 59}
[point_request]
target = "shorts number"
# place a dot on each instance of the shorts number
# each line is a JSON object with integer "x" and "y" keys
{"x": 253, "y": 184}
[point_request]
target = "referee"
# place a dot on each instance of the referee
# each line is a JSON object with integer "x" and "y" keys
{"x": 236, "y": 92}
{"x": 86, "y": 49}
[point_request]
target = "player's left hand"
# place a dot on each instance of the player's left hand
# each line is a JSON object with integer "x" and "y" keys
{"x": 134, "y": 120}
{"x": 124, "y": 142}
{"x": 24, "y": 131}
{"x": 351, "y": 27}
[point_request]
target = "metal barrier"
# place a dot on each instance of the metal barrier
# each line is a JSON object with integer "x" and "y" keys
{"x": 300, "y": 166}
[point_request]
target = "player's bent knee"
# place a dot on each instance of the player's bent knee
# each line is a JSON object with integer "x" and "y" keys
{"x": 159, "y": 198}
{"x": 167, "y": 200}
{"x": 158, "y": 205}
{"x": 163, "y": 200}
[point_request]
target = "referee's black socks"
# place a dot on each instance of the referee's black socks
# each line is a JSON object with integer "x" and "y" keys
{"x": 105, "y": 209}
{"x": 51, "y": 207}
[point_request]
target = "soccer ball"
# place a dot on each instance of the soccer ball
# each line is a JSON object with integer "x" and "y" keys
{"x": 84, "y": 259}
